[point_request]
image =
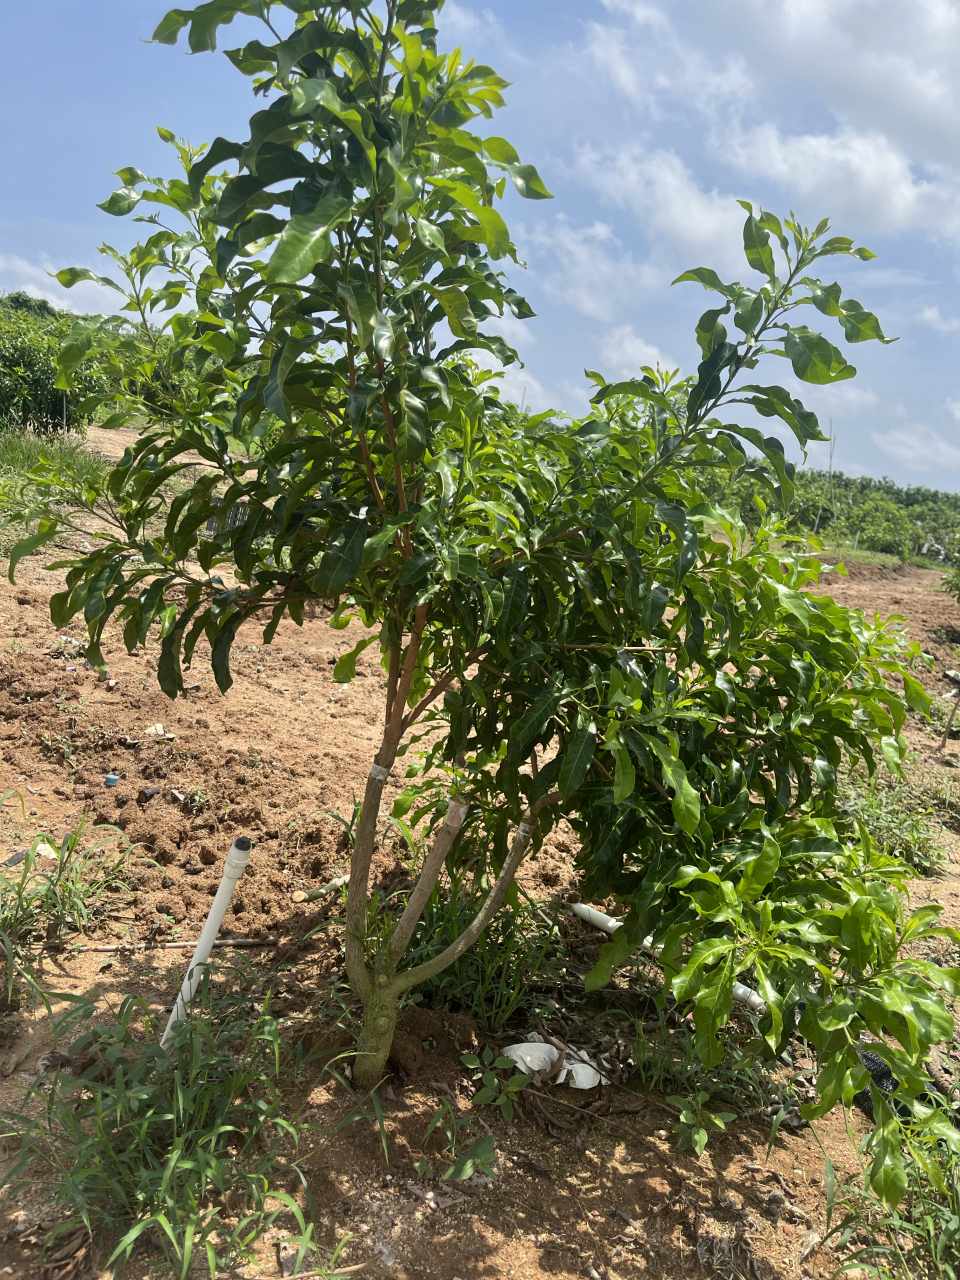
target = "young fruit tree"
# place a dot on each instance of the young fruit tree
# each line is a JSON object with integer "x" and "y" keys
{"x": 567, "y": 627}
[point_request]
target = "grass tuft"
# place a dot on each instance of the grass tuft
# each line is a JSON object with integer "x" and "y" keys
{"x": 180, "y": 1154}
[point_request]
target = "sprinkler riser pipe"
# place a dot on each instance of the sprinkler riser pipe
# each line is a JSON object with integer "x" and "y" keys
{"x": 609, "y": 924}
{"x": 233, "y": 869}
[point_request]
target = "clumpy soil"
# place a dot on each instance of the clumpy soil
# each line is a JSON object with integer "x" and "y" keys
{"x": 588, "y": 1183}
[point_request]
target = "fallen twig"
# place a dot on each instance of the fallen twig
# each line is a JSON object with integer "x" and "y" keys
{"x": 174, "y": 946}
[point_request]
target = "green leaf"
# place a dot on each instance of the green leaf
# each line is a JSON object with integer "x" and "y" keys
{"x": 457, "y": 308}
{"x": 345, "y": 669}
{"x": 814, "y": 359}
{"x": 495, "y": 233}
{"x": 479, "y": 1154}
{"x": 756, "y": 246}
{"x": 612, "y": 954}
{"x": 686, "y": 802}
{"x": 625, "y": 775}
{"x": 577, "y": 757}
{"x": 220, "y": 651}
{"x": 534, "y": 719}
{"x": 710, "y": 332}
{"x": 70, "y": 276}
{"x": 341, "y": 561}
{"x": 917, "y": 697}
{"x": 759, "y": 871}
{"x": 362, "y": 310}
{"x": 46, "y": 529}
{"x": 120, "y": 202}
{"x": 307, "y": 95}
{"x": 430, "y": 235}
{"x": 305, "y": 240}
{"x": 710, "y": 280}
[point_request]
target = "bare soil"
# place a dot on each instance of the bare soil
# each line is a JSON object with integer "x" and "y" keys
{"x": 598, "y": 1188}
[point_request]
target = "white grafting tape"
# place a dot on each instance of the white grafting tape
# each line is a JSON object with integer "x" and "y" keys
{"x": 456, "y": 812}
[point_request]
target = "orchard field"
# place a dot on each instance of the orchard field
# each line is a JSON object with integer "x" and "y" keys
{"x": 313, "y": 588}
{"x": 585, "y": 1180}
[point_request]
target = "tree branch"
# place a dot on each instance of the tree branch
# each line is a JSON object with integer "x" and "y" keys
{"x": 432, "y": 867}
{"x": 441, "y": 686}
{"x": 365, "y": 841}
{"x": 430, "y": 968}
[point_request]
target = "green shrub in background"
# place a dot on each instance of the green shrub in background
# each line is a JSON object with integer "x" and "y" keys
{"x": 873, "y": 515}
{"x": 31, "y": 333}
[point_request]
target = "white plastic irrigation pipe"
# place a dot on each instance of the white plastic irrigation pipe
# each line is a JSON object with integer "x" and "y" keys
{"x": 237, "y": 859}
{"x": 599, "y": 920}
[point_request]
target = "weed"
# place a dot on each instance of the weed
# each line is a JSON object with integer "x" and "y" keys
{"x": 469, "y": 1154}
{"x": 696, "y": 1122}
{"x": 891, "y": 816}
{"x": 350, "y": 827}
{"x": 198, "y": 800}
{"x": 917, "y": 1240}
{"x": 22, "y": 452}
{"x": 178, "y": 1150}
{"x": 494, "y": 1091}
{"x": 939, "y": 715}
{"x": 57, "y": 746}
{"x": 667, "y": 1064}
{"x": 56, "y": 888}
{"x": 493, "y": 981}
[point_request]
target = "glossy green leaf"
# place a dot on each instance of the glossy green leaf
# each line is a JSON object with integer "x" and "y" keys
{"x": 814, "y": 359}
{"x": 305, "y": 240}
{"x": 577, "y": 756}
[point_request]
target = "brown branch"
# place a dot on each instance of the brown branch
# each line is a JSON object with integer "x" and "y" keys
{"x": 366, "y": 834}
{"x": 655, "y": 784}
{"x": 371, "y": 474}
{"x": 604, "y": 773}
{"x": 393, "y": 674}
{"x": 441, "y": 686}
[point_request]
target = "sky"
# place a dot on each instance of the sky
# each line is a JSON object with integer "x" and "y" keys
{"x": 648, "y": 119}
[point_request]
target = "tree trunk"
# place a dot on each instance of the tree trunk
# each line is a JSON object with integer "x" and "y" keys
{"x": 376, "y": 1037}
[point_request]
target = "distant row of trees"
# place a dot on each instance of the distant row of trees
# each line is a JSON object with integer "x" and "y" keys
{"x": 31, "y": 334}
{"x": 873, "y": 515}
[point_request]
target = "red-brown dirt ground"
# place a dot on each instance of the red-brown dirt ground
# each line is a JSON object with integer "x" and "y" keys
{"x": 601, "y": 1192}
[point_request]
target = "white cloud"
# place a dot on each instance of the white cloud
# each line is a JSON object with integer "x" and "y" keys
{"x": 942, "y": 324}
{"x": 522, "y": 388}
{"x": 624, "y": 352}
{"x": 664, "y": 196}
{"x": 880, "y": 65}
{"x": 518, "y": 333}
{"x": 588, "y": 272}
{"x": 919, "y": 449}
{"x": 461, "y": 20}
{"x": 884, "y": 72}
{"x": 840, "y": 398}
{"x": 864, "y": 177}
{"x": 953, "y": 406}
{"x": 657, "y": 66}
{"x": 17, "y": 274}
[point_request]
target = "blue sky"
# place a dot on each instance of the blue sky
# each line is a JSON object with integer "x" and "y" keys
{"x": 647, "y": 119}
